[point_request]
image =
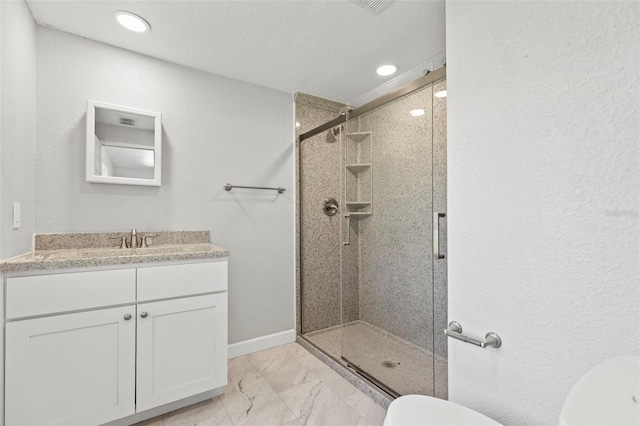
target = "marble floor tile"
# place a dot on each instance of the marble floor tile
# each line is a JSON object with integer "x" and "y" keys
{"x": 283, "y": 386}
{"x": 372, "y": 412}
{"x": 156, "y": 421}
{"x": 316, "y": 404}
{"x": 327, "y": 376}
{"x": 209, "y": 412}
{"x": 280, "y": 368}
{"x": 239, "y": 367}
{"x": 250, "y": 400}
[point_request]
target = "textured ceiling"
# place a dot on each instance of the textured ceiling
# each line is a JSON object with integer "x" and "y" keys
{"x": 325, "y": 48}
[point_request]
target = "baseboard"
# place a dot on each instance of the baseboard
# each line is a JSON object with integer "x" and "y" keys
{"x": 261, "y": 343}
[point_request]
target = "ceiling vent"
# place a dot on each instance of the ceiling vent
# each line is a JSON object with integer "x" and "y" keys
{"x": 127, "y": 121}
{"x": 373, "y": 6}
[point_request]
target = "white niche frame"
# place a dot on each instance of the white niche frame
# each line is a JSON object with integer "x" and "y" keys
{"x": 91, "y": 176}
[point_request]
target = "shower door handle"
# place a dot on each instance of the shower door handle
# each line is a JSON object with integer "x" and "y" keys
{"x": 348, "y": 242}
{"x": 436, "y": 235}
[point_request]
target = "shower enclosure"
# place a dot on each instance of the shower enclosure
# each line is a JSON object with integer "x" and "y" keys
{"x": 372, "y": 285}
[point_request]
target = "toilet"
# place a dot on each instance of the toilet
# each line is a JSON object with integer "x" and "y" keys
{"x": 421, "y": 410}
{"x": 606, "y": 395}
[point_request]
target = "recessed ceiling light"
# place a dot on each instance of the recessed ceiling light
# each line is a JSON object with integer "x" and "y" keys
{"x": 440, "y": 94}
{"x": 131, "y": 21}
{"x": 385, "y": 70}
{"x": 297, "y": 124}
{"x": 416, "y": 112}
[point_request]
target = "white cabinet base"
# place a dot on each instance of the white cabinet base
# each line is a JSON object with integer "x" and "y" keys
{"x": 74, "y": 369}
{"x": 182, "y": 348}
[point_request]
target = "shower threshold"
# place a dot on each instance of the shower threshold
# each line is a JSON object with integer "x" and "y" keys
{"x": 372, "y": 379}
{"x": 396, "y": 366}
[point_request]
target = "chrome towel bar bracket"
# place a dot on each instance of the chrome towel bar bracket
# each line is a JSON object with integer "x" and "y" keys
{"x": 455, "y": 330}
{"x": 229, "y": 187}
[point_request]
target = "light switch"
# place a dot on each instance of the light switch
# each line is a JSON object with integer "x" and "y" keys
{"x": 16, "y": 215}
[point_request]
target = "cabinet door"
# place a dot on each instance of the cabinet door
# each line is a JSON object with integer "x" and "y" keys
{"x": 74, "y": 369}
{"x": 182, "y": 348}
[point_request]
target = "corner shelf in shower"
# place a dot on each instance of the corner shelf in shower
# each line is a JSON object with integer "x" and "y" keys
{"x": 358, "y": 182}
{"x": 359, "y": 215}
{"x": 357, "y": 168}
{"x": 358, "y": 136}
{"x": 357, "y": 205}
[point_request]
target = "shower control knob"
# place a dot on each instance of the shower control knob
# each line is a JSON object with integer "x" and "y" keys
{"x": 330, "y": 206}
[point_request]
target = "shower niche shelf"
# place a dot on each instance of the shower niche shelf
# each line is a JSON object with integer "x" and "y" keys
{"x": 359, "y": 215}
{"x": 358, "y": 186}
{"x": 358, "y": 205}
{"x": 358, "y": 136}
{"x": 357, "y": 168}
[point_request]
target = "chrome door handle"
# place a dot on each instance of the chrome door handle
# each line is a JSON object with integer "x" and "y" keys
{"x": 348, "y": 242}
{"x": 127, "y": 317}
{"x": 436, "y": 235}
{"x": 143, "y": 315}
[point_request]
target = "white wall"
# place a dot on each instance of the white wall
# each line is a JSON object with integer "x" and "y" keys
{"x": 17, "y": 126}
{"x": 215, "y": 130}
{"x": 544, "y": 179}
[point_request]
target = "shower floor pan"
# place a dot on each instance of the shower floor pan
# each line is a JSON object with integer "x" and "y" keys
{"x": 400, "y": 366}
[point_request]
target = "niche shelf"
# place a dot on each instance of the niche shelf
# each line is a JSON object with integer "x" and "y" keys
{"x": 358, "y": 205}
{"x": 357, "y": 168}
{"x": 359, "y": 215}
{"x": 358, "y": 136}
{"x": 359, "y": 181}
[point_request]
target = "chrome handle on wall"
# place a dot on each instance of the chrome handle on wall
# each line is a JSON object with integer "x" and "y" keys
{"x": 436, "y": 235}
{"x": 348, "y": 242}
{"x": 490, "y": 339}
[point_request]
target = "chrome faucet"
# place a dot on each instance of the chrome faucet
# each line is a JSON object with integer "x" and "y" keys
{"x": 133, "y": 240}
{"x": 136, "y": 241}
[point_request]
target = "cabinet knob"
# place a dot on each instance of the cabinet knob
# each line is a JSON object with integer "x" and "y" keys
{"x": 143, "y": 315}
{"x": 127, "y": 317}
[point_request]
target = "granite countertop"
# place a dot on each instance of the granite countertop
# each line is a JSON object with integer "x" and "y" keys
{"x": 58, "y": 254}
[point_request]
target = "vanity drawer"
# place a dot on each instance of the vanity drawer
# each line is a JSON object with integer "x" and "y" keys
{"x": 162, "y": 282}
{"x": 46, "y": 294}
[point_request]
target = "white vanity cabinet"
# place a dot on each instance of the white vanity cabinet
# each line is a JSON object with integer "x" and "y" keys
{"x": 86, "y": 348}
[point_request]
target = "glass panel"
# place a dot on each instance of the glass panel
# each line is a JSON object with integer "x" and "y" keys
{"x": 319, "y": 229}
{"x": 387, "y": 255}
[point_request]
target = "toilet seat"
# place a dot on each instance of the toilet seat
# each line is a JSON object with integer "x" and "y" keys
{"x": 421, "y": 410}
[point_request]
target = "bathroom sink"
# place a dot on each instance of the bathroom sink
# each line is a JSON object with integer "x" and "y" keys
{"x": 609, "y": 394}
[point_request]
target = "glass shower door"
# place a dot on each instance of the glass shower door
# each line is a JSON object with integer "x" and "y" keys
{"x": 387, "y": 257}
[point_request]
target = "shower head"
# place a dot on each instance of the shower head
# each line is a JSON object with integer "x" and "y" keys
{"x": 332, "y": 134}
